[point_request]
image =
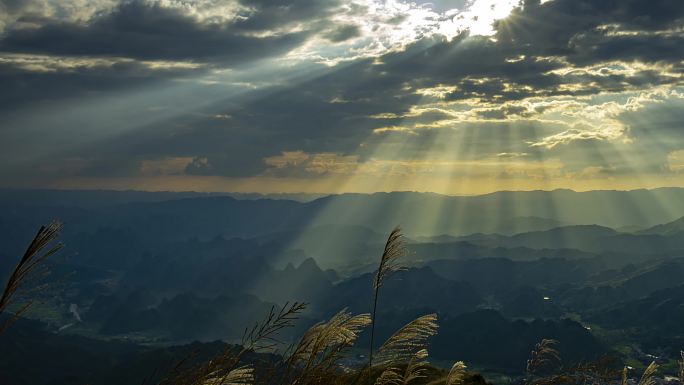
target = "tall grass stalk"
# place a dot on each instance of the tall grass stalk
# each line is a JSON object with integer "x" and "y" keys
{"x": 30, "y": 266}
{"x": 389, "y": 263}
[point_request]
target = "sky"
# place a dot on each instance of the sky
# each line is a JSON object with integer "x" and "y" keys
{"x": 330, "y": 96}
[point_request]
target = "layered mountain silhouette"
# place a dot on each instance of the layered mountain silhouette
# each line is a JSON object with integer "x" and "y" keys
{"x": 164, "y": 270}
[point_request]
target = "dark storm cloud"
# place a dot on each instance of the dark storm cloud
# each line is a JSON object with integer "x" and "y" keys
{"x": 550, "y": 27}
{"x": 586, "y": 32}
{"x": 660, "y": 125}
{"x": 305, "y": 117}
{"x": 149, "y": 31}
{"x": 12, "y": 6}
{"x": 140, "y": 31}
{"x": 343, "y": 33}
{"x": 22, "y": 87}
{"x": 600, "y": 45}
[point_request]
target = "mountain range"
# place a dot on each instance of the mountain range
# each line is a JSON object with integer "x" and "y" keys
{"x": 161, "y": 270}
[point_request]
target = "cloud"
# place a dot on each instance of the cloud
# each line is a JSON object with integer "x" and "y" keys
{"x": 551, "y": 83}
{"x": 343, "y": 33}
{"x": 29, "y": 80}
{"x": 675, "y": 161}
{"x": 299, "y": 164}
{"x": 659, "y": 122}
{"x": 574, "y": 135}
{"x": 150, "y": 31}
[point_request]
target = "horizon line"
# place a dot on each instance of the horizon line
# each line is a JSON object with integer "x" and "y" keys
{"x": 325, "y": 194}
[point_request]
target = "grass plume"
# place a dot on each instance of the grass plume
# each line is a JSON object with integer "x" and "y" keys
{"x": 30, "y": 266}
{"x": 415, "y": 370}
{"x": 543, "y": 355}
{"x": 321, "y": 347}
{"x": 243, "y": 375}
{"x": 647, "y": 378}
{"x": 389, "y": 263}
{"x": 405, "y": 342}
{"x": 457, "y": 374}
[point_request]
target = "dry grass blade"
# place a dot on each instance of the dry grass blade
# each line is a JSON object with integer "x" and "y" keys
{"x": 623, "y": 377}
{"x": 240, "y": 376}
{"x": 390, "y": 376}
{"x": 263, "y": 335}
{"x": 542, "y": 356}
{"x": 322, "y": 345}
{"x": 681, "y": 368}
{"x": 341, "y": 329}
{"x": 30, "y": 265}
{"x": 389, "y": 262}
{"x": 647, "y": 377}
{"x": 457, "y": 373}
{"x": 405, "y": 342}
{"x": 415, "y": 369}
{"x": 315, "y": 357}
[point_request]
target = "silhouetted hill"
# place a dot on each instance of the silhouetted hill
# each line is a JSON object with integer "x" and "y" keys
{"x": 491, "y": 275}
{"x": 343, "y": 230}
{"x": 416, "y": 288}
{"x": 582, "y": 299}
{"x": 188, "y": 317}
{"x": 473, "y": 250}
{"x": 464, "y": 215}
{"x": 654, "y": 322}
{"x": 580, "y": 237}
{"x": 420, "y": 213}
{"x": 31, "y": 355}
{"x": 672, "y": 228}
{"x": 226, "y": 266}
{"x": 306, "y": 282}
{"x": 504, "y": 226}
{"x": 570, "y": 237}
{"x": 662, "y": 309}
{"x": 587, "y": 238}
{"x": 488, "y": 339}
{"x": 664, "y": 275}
{"x": 330, "y": 243}
{"x": 102, "y": 198}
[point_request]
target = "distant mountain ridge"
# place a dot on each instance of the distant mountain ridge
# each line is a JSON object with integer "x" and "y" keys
{"x": 101, "y": 198}
{"x": 671, "y": 228}
{"x": 421, "y": 214}
{"x": 587, "y": 238}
